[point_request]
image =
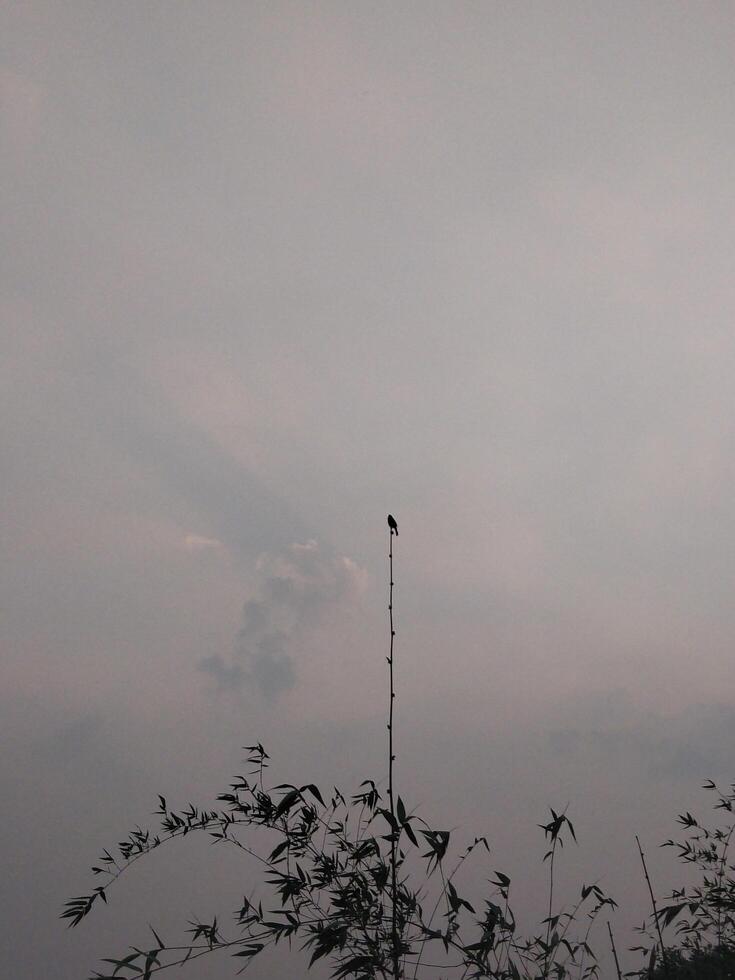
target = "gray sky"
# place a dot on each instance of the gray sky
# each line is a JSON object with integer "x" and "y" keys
{"x": 270, "y": 270}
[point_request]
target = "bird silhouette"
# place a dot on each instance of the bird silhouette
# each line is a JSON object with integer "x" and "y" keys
{"x": 392, "y": 524}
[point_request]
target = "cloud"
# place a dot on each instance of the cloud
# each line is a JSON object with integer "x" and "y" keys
{"x": 300, "y": 587}
{"x": 228, "y": 676}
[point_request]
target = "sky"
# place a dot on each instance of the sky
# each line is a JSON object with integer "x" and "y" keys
{"x": 273, "y": 270}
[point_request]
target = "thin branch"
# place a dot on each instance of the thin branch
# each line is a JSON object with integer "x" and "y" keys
{"x": 664, "y": 957}
{"x": 614, "y": 952}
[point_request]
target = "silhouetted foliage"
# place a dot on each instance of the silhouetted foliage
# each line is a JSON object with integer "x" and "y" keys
{"x": 702, "y": 915}
{"x": 367, "y": 884}
{"x": 702, "y": 964}
{"x": 329, "y": 877}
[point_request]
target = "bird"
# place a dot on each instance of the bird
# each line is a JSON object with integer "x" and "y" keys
{"x": 392, "y": 524}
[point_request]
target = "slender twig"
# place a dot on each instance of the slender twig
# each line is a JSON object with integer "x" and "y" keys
{"x": 506, "y": 947}
{"x": 550, "y": 911}
{"x": 664, "y": 958}
{"x": 391, "y": 799}
{"x": 614, "y": 952}
{"x": 571, "y": 917}
{"x": 441, "y": 895}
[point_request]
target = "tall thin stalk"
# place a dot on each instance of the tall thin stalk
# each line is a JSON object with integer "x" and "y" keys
{"x": 391, "y": 759}
{"x": 547, "y": 951}
{"x": 614, "y": 952}
{"x": 664, "y": 957}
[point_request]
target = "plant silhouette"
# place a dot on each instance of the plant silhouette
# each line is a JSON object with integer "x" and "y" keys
{"x": 367, "y": 884}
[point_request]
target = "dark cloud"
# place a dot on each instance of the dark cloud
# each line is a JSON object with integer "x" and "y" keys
{"x": 299, "y": 586}
{"x": 273, "y": 674}
{"x": 228, "y": 676}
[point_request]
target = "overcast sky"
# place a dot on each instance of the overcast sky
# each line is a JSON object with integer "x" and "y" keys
{"x": 271, "y": 270}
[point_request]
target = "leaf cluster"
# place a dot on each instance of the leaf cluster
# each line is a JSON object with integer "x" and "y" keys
{"x": 702, "y": 915}
{"x": 326, "y": 875}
